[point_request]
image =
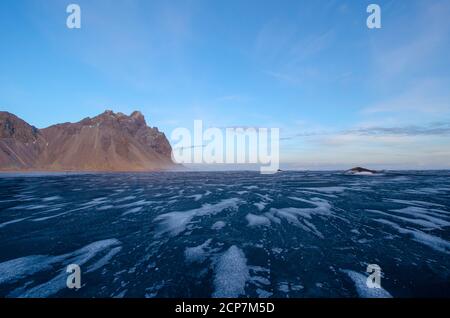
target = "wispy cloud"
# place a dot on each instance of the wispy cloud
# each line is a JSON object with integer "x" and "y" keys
{"x": 428, "y": 96}
{"x": 232, "y": 98}
{"x": 431, "y": 129}
{"x": 138, "y": 43}
{"x": 423, "y": 36}
{"x": 285, "y": 50}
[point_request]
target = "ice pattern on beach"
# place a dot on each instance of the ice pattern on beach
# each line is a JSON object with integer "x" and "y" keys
{"x": 16, "y": 270}
{"x": 225, "y": 234}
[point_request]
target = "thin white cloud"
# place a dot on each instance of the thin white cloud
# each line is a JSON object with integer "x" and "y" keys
{"x": 425, "y": 97}
{"x": 284, "y": 50}
{"x": 411, "y": 43}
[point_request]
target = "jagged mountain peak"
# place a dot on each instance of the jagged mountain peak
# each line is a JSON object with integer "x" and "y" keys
{"x": 109, "y": 116}
{"x": 12, "y": 126}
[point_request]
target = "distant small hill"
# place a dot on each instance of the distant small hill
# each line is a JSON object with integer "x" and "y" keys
{"x": 108, "y": 142}
{"x": 361, "y": 171}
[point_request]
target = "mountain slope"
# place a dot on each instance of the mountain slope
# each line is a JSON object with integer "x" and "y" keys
{"x": 20, "y": 143}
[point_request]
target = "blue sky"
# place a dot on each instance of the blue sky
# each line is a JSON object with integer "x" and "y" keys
{"x": 341, "y": 94}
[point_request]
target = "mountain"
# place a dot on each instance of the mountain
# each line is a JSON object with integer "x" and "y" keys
{"x": 108, "y": 142}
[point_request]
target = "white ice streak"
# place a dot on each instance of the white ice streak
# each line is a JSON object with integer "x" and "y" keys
{"x": 432, "y": 215}
{"x": 17, "y": 269}
{"x": 328, "y": 190}
{"x": 196, "y": 197}
{"x": 258, "y": 278}
{"x": 29, "y": 207}
{"x": 11, "y": 222}
{"x": 260, "y": 205}
{"x": 414, "y": 202}
{"x": 138, "y": 203}
{"x": 361, "y": 286}
{"x": 45, "y": 218}
{"x": 322, "y": 207}
{"x": 231, "y": 274}
{"x": 104, "y": 260}
{"x": 292, "y": 214}
{"x": 198, "y": 254}
{"x": 174, "y": 223}
{"x": 432, "y": 241}
{"x": 127, "y": 198}
{"x": 257, "y": 220}
{"x": 53, "y": 198}
{"x": 135, "y": 210}
{"x": 424, "y": 223}
{"x": 218, "y": 225}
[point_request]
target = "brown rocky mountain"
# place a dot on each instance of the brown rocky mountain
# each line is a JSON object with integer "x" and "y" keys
{"x": 20, "y": 143}
{"x": 108, "y": 142}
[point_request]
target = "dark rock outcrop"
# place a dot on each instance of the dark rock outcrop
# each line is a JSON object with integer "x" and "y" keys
{"x": 108, "y": 142}
{"x": 359, "y": 170}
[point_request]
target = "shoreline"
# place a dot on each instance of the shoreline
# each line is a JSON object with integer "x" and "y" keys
{"x": 3, "y": 172}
